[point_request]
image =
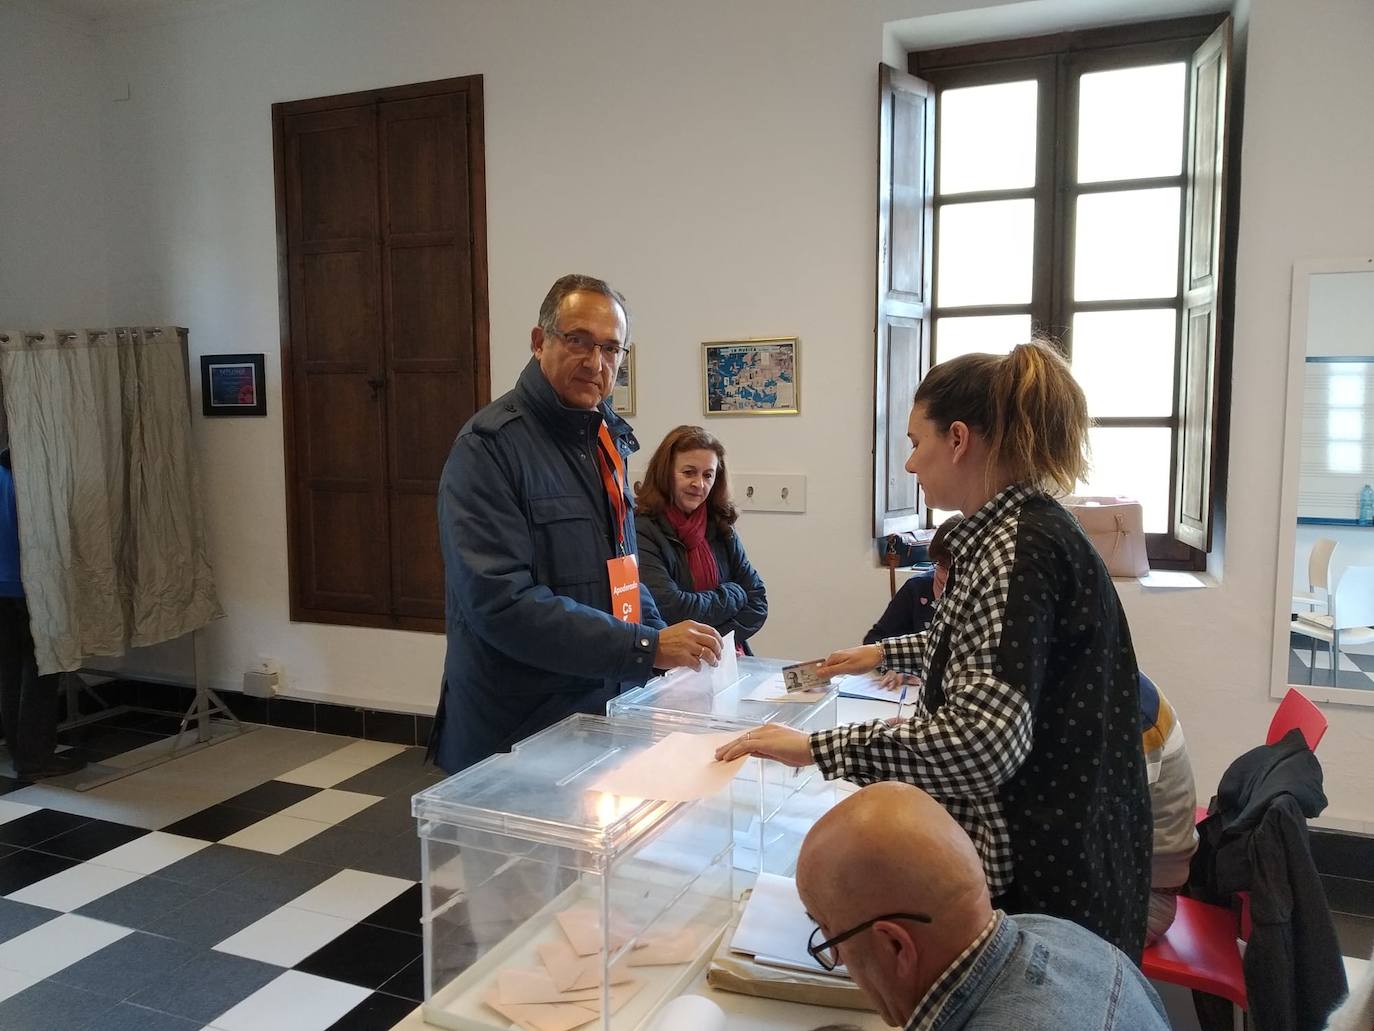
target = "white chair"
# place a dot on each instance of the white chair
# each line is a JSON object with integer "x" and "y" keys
{"x": 1350, "y": 620}
{"x": 1318, "y": 592}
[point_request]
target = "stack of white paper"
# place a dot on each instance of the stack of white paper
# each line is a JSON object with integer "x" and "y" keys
{"x": 775, "y": 929}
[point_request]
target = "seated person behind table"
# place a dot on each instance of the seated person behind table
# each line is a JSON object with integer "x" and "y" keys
{"x": 1173, "y": 800}
{"x": 690, "y": 557}
{"x": 911, "y": 608}
{"x": 897, "y": 891}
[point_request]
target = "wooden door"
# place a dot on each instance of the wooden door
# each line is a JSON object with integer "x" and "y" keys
{"x": 381, "y": 215}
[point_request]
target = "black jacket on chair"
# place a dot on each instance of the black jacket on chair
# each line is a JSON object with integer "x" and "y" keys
{"x": 1255, "y": 840}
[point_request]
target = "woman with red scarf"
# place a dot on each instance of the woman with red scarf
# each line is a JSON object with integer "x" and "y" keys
{"x": 690, "y": 557}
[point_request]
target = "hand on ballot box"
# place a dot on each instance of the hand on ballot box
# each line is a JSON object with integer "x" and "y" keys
{"x": 771, "y": 741}
{"x": 687, "y": 644}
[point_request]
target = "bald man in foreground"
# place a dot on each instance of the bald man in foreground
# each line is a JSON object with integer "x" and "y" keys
{"x": 897, "y": 890}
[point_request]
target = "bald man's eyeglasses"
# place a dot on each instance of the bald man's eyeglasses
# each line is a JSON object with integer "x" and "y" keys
{"x": 824, "y": 952}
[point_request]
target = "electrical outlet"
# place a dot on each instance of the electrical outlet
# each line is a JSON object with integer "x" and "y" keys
{"x": 768, "y": 492}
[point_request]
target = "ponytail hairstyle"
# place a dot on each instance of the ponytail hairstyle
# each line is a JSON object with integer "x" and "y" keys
{"x": 655, "y": 492}
{"x": 1026, "y": 405}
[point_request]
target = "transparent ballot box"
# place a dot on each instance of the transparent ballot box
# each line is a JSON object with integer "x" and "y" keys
{"x": 741, "y": 699}
{"x": 548, "y": 902}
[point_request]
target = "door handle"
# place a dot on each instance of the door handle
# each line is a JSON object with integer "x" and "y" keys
{"x": 376, "y": 383}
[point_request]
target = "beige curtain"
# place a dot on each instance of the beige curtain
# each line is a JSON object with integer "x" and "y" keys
{"x": 112, "y": 533}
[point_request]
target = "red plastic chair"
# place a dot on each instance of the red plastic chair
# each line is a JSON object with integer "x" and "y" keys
{"x": 1297, "y": 710}
{"x": 1199, "y": 949}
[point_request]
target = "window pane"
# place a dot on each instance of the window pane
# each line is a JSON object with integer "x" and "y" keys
{"x": 984, "y": 255}
{"x": 993, "y": 334}
{"x": 987, "y": 137}
{"x": 1133, "y": 463}
{"x": 1124, "y": 361}
{"x": 1130, "y": 122}
{"x": 1126, "y": 245}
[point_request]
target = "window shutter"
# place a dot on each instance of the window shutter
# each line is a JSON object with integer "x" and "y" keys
{"x": 906, "y": 181}
{"x": 1199, "y": 353}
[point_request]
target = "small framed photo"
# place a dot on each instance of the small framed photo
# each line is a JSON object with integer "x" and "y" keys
{"x": 751, "y": 377}
{"x": 623, "y": 393}
{"x": 232, "y": 384}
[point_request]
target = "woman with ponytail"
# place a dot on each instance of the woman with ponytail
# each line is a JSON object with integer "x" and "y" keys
{"x": 690, "y": 557}
{"x": 1027, "y": 726}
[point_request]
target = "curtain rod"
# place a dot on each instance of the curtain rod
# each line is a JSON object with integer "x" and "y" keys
{"x": 66, "y": 336}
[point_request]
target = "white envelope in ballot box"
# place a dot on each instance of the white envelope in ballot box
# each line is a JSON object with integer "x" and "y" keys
{"x": 1116, "y": 527}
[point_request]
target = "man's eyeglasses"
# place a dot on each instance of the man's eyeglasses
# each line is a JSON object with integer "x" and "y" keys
{"x": 825, "y": 953}
{"x": 582, "y": 344}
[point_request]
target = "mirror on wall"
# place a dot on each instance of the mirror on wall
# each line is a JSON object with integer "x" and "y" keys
{"x": 1324, "y": 595}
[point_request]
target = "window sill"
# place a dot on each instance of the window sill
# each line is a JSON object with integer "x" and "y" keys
{"x": 1169, "y": 580}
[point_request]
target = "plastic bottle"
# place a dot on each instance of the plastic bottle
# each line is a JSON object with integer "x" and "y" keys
{"x": 1367, "y": 505}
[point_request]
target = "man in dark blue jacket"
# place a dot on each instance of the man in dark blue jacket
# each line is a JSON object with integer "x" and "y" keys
{"x": 537, "y": 528}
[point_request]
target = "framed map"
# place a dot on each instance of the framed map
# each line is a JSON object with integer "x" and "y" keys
{"x": 751, "y": 377}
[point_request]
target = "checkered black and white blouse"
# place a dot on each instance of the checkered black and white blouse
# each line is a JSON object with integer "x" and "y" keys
{"x": 1027, "y": 727}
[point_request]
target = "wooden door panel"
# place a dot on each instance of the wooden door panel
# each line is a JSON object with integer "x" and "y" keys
{"x": 430, "y": 305}
{"x": 339, "y": 311}
{"x": 426, "y": 418}
{"x": 416, "y": 562}
{"x": 345, "y": 431}
{"x": 347, "y": 559}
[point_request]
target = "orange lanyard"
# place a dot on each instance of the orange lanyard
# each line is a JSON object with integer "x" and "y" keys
{"x": 613, "y": 478}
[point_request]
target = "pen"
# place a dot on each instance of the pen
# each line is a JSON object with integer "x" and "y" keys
{"x": 901, "y": 698}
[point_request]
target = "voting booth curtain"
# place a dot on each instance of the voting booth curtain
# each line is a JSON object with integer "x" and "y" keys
{"x": 111, "y": 527}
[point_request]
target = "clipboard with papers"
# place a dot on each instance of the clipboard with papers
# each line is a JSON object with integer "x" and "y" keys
{"x": 774, "y": 928}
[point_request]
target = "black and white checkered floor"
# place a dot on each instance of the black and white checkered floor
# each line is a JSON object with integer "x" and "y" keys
{"x": 268, "y": 882}
{"x": 1354, "y": 670}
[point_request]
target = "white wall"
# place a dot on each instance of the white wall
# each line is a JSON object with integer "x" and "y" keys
{"x": 52, "y": 209}
{"x": 715, "y": 159}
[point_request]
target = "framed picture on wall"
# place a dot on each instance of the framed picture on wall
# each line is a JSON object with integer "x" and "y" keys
{"x": 623, "y": 393}
{"x": 233, "y": 384}
{"x": 751, "y": 377}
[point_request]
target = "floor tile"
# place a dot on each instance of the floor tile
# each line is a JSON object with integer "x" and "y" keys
{"x": 364, "y": 955}
{"x": 331, "y": 806}
{"x": 293, "y": 1002}
{"x": 152, "y": 852}
{"x": 275, "y": 834}
{"x": 351, "y": 894}
{"x": 366, "y": 753}
{"x": 57, "y": 944}
{"x": 409, "y": 983}
{"x": 34, "y": 828}
{"x": 277, "y": 879}
{"x": 13, "y": 810}
{"x": 16, "y": 918}
{"x": 212, "y": 867}
{"x": 336, "y": 847}
{"x": 128, "y": 1017}
{"x": 389, "y": 777}
{"x": 207, "y": 986}
{"x": 215, "y": 823}
{"x": 10, "y": 784}
{"x": 285, "y": 936}
{"x": 74, "y": 887}
{"x": 141, "y": 903}
{"x": 49, "y": 1005}
{"x": 271, "y": 797}
{"x": 375, "y": 1013}
{"x": 400, "y": 914}
{"x": 127, "y": 966}
{"x": 390, "y": 816}
{"x": 209, "y": 919}
{"x": 341, "y": 764}
{"x": 12, "y": 982}
{"x": 397, "y": 857}
{"x": 20, "y": 869}
{"x": 91, "y": 839}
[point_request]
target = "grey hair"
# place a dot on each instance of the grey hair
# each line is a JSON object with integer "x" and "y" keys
{"x": 571, "y": 284}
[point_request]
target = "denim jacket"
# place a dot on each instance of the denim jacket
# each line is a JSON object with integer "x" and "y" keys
{"x": 1041, "y": 973}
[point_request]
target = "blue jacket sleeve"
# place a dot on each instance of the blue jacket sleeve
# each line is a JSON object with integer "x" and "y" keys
{"x": 489, "y": 558}
{"x": 713, "y": 607}
{"x": 749, "y": 620}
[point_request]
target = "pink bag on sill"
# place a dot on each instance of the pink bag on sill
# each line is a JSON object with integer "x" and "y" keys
{"x": 1116, "y": 527}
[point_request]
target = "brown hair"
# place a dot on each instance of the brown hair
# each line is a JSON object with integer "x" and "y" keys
{"x": 1026, "y": 404}
{"x": 656, "y": 492}
{"x": 938, "y": 548}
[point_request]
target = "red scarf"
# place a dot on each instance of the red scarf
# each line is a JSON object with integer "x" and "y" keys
{"x": 691, "y": 530}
